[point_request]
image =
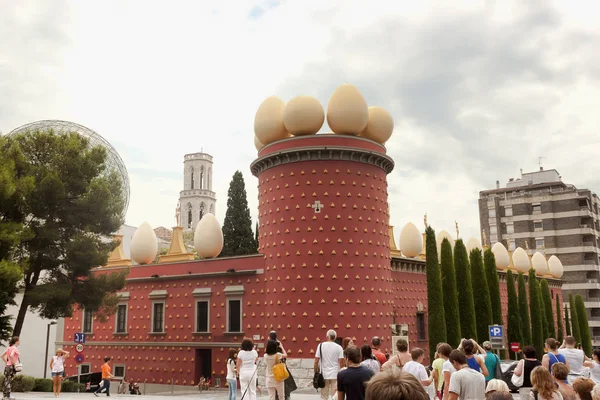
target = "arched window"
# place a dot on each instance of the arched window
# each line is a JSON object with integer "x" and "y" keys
{"x": 209, "y": 179}
{"x": 201, "y": 210}
{"x": 189, "y": 215}
{"x": 192, "y": 178}
{"x": 212, "y": 209}
{"x": 202, "y": 177}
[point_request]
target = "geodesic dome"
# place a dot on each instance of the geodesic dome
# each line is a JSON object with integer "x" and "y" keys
{"x": 113, "y": 159}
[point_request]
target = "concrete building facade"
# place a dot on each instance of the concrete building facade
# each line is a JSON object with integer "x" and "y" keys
{"x": 539, "y": 212}
{"x": 197, "y": 197}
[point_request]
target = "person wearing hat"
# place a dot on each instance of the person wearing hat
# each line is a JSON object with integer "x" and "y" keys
{"x": 57, "y": 366}
{"x": 492, "y": 362}
{"x": 106, "y": 377}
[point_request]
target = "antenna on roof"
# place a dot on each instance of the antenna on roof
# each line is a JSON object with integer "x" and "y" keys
{"x": 540, "y": 162}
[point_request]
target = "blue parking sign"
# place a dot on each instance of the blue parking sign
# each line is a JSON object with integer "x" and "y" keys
{"x": 496, "y": 331}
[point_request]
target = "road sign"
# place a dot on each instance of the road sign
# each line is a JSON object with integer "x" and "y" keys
{"x": 79, "y": 358}
{"x": 79, "y": 337}
{"x": 496, "y": 332}
{"x": 79, "y": 347}
{"x": 515, "y": 347}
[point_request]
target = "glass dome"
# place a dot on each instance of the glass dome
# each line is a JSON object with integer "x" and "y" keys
{"x": 114, "y": 161}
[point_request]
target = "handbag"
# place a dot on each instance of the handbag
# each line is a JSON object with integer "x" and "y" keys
{"x": 318, "y": 380}
{"x": 498, "y": 372}
{"x": 18, "y": 366}
{"x": 280, "y": 372}
{"x": 518, "y": 380}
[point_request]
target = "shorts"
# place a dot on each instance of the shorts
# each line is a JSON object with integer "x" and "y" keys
{"x": 61, "y": 373}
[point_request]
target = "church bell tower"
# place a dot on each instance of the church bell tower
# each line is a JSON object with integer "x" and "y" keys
{"x": 197, "y": 197}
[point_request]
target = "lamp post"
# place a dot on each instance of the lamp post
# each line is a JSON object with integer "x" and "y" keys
{"x": 53, "y": 322}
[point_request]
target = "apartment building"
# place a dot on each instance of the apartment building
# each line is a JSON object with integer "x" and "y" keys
{"x": 539, "y": 212}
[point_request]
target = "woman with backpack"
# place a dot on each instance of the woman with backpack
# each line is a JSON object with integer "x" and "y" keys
{"x": 492, "y": 363}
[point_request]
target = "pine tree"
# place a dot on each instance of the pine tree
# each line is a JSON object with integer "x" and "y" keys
{"x": 494, "y": 286}
{"x": 547, "y": 300}
{"x": 584, "y": 328}
{"x": 481, "y": 295}
{"x": 567, "y": 321}
{"x": 256, "y": 236}
{"x": 514, "y": 316}
{"x": 450, "y": 295}
{"x": 436, "y": 321}
{"x": 536, "y": 312}
{"x": 238, "y": 239}
{"x": 559, "y": 321}
{"x": 524, "y": 309}
{"x": 574, "y": 319}
{"x": 466, "y": 307}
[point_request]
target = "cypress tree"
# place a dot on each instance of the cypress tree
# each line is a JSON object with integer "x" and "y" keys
{"x": 494, "y": 286}
{"x": 545, "y": 330}
{"x": 574, "y": 319}
{"x": 547, "y": 300}
{"x": 567, "y": 321}
{"x": 584, "y": 328}
{"x": 436, "y": 322}
{"x": 514, "y": 319}
{"x": 237, "y": 228}
{"x": 481, "y": 295}
{"x": 524, "y": 310}
{"x": 466, "y": 307}
{"x": 559, "y": 322}
{"x": 256, "y": 236}
{"x": 450, "y": 296}
{"x": 537, "y": 313}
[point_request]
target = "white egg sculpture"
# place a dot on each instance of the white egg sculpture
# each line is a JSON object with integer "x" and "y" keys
{"x": 258, "y": 144}
{"x": 501, "y": 256}
{"x": 555, "y": 267}
{"x": 411, "y": 241}
{"x": 208, "y": 237}
{"x": 144, "y": 244}
{"x": 472, "y": 244}
{"x": 268, "y": 121}
{"x": 440, "y": 238}
{"x": 303, "y": 115}
{"x": 347, "y": 111}
{"x": 380, "y": 125}
{"x": 539, "y": 263}
{"x": 521, "y": 260}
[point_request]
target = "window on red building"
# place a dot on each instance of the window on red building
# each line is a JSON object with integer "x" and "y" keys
{"x": 121, "y": 325}
{"x": 88, "y": 318}
{"x": 158, "y": 317}
{"x": 85, "y": 368}
{"x": 234, "y": 319}
{"x": 202, "y": 318}
{"x": 421, "y": 326}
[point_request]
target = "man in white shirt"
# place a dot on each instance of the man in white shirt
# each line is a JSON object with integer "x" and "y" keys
{"x": 465, "y": 383}
{"x": 329, "y": 359}
{"x": 416, "y": 367}
{"x": 575, "y": 358}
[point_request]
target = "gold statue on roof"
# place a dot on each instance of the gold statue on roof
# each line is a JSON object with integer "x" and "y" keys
{"x": 425, "y": 221}
{"x": 483, "y": 237}
{"x": 457, "y": 231}
{"x": 178, "y": 213}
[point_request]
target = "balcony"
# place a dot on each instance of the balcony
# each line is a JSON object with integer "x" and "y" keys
{"x": 582, "y": 267}
{"x": 198, "y": 192}
{"x": 592, "y": 304}
{"x": 594, "y": 321}
{"x": 590, "y": 284}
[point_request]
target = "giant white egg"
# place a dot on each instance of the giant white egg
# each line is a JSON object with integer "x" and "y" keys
{"x": 347, "y": 111}
{"x": 555, "y": 267}
{"x": 501, "y": 256}
{"x": 539, "y": 263}
{"x": 268, "y": 121}
{"x": 144, "y": 245}
{"x": 303, "y": 115}
{"x": 411, "y": 241}
{"x": 208, "y": 237}
{"x": 521, "y": 260}
{"x": 380, "y": 125}
{"x": 472, "y": 244}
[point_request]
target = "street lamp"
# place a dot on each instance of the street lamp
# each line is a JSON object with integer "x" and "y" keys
{"x": 53, "y": 322}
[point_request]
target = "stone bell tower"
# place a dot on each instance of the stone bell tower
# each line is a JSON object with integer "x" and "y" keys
{"x": 197, "y": 197}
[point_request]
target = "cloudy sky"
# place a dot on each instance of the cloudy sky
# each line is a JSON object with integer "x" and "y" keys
{"x": 477, "y": 89}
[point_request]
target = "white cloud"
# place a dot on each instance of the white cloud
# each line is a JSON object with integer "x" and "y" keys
{"x": 476, "y": 91}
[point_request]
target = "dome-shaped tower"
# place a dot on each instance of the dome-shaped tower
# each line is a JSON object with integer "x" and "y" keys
{"x": 197, "y": 197}
{"x": 323, "y": 217}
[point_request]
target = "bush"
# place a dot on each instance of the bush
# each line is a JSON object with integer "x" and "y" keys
{"x": 42, "y": 385}
{"x": 21, "y": 383}
{"x": 71, "y": 387}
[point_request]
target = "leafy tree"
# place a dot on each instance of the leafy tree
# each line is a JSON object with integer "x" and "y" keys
{"x": 481, "y": 295}
{"x": 514, "y": 316}
{"x": 450, "y": 295}
{"x": 559, "y": 320}
{"x": 238, "y": 239}
{"x": 494, "y": 286}
{"x": 536, "y": 311}
{"x": 436, "y": 321}
{"x": 466, "y": 307}
{"x": 584, "y": 328}
{"x": 71, "y": 203}
{"x": 524, "y": 309}
{"x": 567, "y": 321}
{"x": 547, "y": 300}
{"x": 575, "y": 326}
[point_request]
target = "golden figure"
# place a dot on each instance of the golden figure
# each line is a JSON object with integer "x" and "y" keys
{"x": 483, "y": 236}
{"x": 178, "y": 213}
{"x": 527, "y": 244}
{"x": 457, "y": 231}
{"x": 425, "y": 221}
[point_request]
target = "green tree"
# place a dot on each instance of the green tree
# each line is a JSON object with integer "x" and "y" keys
{"x": 256, "y": 236}
{"x": 436, "y": 321}
{"x": 524, "y": 309}
{"x": 514, "y": 316}
{"x": 71, "y": 203}
{"x": 547, "y": 300}
{"x": 238, "y": 238}
{"x": 450, "y": 295}
{"x": 559, "y": 321}
{"x": 545, "y": 330}
{"x": 494, "y": 286}
{"x": 575, "y": 326}
{"x": 481, "y": 295}
{"x": 567, "y": 321}
{"x": 466, "y": 307}
{"x": 536, "y": 312}
{"x": 584, "y": 328}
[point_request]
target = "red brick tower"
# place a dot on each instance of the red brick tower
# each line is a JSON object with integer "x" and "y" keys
{"x": 323, "y": 216}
